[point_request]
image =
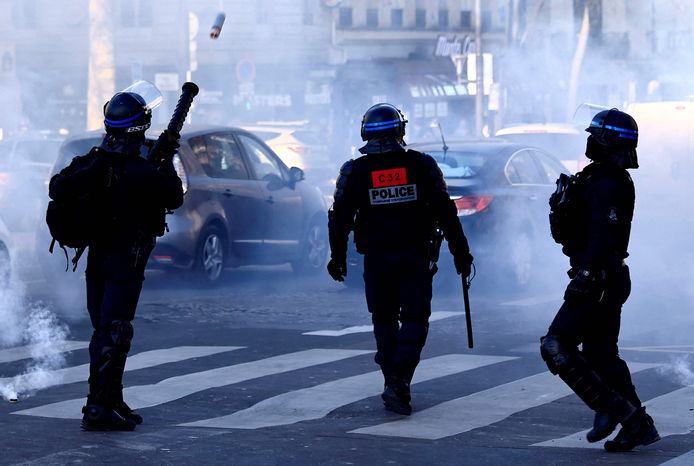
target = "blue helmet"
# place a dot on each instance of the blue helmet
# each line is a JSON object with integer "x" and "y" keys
{"x": 127, "y": 112}
{"x": 383, "y": 120}
{"x": 615, "y": 129}
{"x": 616, "y": 133}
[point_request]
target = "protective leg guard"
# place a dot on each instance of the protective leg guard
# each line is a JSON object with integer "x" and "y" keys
{"x": 574, "y": 370}
{"x": 636, "y": 431}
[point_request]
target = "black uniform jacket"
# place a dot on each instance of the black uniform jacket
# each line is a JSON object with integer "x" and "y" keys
{"x": 392, "y": 200}
{"x": 604, "y": 212}
{"x": 137, "y": 197}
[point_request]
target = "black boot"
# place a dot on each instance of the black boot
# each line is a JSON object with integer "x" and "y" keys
{"x": 102, "y": 418}
{"x": 638, "y": 430}
{"x": 122, "y": 408}
{"x": 606, "y": 422}
{"x": 396, "y": 396}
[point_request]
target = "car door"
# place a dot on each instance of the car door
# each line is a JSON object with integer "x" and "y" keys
{"x": 284, "y": 203}
{"x": 241, "y": 197}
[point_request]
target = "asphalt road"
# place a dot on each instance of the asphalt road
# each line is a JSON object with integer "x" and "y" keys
{"x": 276, "y": 369}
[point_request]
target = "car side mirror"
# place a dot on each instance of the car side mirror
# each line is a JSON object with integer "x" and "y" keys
{"x": 296, "y": 174}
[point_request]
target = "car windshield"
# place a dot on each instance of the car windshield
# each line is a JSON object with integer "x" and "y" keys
{"x": 309, "y": 137}
{"x": 459, "y": 164}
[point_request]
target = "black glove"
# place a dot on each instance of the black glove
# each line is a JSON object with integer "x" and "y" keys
{"x": 337, "y": 268}
{"x": 170, "y": 142}
{"x": 463, "y": 264}
{"x": 584, "y": 285}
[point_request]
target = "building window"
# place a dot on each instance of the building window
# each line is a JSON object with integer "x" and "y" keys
{"x": 345, "y": 18}
{"x": 443, "y": 19}
{"x": 466, "y": 20}
{"x": 486, "y": 21}
{"x": 396, "y": 18}
{"x": 135, "y": 13}
{"x": 371, "y": 18}
{"x": 24, "y": 14}
{"x": 420, "y": 18}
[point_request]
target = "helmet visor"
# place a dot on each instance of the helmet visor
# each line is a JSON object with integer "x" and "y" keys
{"x": 584, "y": 114}
{"x": 148, "y": 91}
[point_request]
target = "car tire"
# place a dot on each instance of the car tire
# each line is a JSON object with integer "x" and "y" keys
{"x": 210, "y": 255}
{"x": 522, "y": 259}
{"x": 313, "y": 250}
{"x": 5, "y": 268}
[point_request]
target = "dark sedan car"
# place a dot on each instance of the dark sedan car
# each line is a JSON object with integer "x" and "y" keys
{"x": 501, "y": 191}
{"x": 242, "y": 206}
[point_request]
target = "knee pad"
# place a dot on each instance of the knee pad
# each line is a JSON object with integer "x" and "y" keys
{"x": 121, "y": 332}
{"x": 555, "y": 354}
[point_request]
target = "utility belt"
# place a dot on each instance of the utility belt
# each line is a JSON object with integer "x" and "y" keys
{"x": 603, "y": 271}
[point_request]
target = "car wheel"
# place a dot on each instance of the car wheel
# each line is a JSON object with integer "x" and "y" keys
{"x": 5, "y": 268}
{"x": 522, "y": 259}
{"x": 314, "y": 250}
{"x": 209, "y": 261}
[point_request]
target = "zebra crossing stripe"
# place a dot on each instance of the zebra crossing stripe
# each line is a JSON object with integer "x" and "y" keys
{"x": 137, "y": 361}
{"x": 317, "y": 401}
{"x": 438, "y": 315}
{"x": 25, "y": 352}
{"x": 670, "y": 412}
{"x": 478, "y": 409}
{"x": 684, "y": 460}
{"x": 144, "y": 396}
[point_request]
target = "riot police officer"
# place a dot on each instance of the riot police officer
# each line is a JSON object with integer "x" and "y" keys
{"x": 135, "y": 195}
{"x": 591, "y": 216}
{"x": 393, "y": 198}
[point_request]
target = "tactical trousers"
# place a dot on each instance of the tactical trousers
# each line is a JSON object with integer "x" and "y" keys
{"x": 398, "y": 289}
{"x": 114, "y": 280}
{"x": 595, "y": 325}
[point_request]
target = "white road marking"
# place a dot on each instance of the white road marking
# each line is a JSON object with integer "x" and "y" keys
{"x": 683, "y": 460}
{"x": 137, "y": 361}
{"x": 144, "y": 396}
{"x": 25, "y": 352}
{"x": 534, "y": 300}
{"x": 479, "y": 409}
{"x": 317, "y": 401}
{"x": 670, "y": 412}
{"x": 661, "y": 349}
{"x": 438, "y": 315}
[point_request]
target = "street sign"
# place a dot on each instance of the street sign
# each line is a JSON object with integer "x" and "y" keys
{"x": 166, "y": 81}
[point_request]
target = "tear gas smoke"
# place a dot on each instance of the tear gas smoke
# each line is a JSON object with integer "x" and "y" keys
{"x": 33, "y": 325}
{"x": 680, "y": 369}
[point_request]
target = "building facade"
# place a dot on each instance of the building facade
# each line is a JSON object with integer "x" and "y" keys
{"x": 326, "y": 61}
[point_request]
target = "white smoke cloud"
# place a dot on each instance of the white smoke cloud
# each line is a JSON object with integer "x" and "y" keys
{"x": 35, "y": 326}
{"x": 680, "y": 369}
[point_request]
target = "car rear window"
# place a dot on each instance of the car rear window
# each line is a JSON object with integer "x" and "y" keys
{"x": 266, "y": 135}
{"x": 71, "y": 149}
{"x": 309, "y": 137}
{"x": 456, "y": 164}
{"x": 43, "y": 152}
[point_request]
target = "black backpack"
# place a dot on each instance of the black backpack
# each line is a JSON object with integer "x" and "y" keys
{"x": 76, "y": 221}
{"x": 562, "y": 208}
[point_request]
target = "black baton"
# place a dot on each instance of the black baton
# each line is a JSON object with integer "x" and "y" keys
{"x": 468, "y": 316}
{"x": 188, "y": 93}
